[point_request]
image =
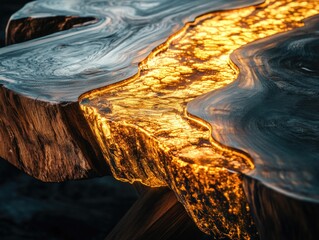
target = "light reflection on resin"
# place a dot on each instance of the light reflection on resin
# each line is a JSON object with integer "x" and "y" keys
{"x": 270, "y": 112}
{"x": 103, "y": 52}
{"x": 146, "y": 135}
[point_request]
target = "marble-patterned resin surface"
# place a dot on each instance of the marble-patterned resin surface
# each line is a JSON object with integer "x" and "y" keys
{"x": 62, "y": 66}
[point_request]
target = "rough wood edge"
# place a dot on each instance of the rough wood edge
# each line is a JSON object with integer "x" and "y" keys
{"x": 51, "y": 142}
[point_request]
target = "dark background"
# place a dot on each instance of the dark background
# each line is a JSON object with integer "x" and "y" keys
{"x": 30, "y": 209}
{"x": 86, "y": 209}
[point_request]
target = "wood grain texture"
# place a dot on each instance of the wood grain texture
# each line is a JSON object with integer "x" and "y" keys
{"x": 24, "y": 29}
{"x": 51, "y": 142}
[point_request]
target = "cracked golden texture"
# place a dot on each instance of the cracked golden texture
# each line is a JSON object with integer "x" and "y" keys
{"x": 147, "y": 136}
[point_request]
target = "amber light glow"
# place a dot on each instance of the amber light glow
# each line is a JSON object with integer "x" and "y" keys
{"x": 146, "y": 135}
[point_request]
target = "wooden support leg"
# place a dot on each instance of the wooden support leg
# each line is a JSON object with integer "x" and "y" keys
{"x": 156, "y": 215}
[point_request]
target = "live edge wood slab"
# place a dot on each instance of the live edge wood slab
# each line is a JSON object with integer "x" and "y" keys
{"x": 150, "y": 128}
{"x": 42, "y": 128}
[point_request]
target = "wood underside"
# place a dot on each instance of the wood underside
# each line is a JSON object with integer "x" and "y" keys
{"x": 156, "y": 215}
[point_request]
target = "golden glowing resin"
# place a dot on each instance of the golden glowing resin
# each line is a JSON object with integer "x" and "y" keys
{"x": 146, "y": 135}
